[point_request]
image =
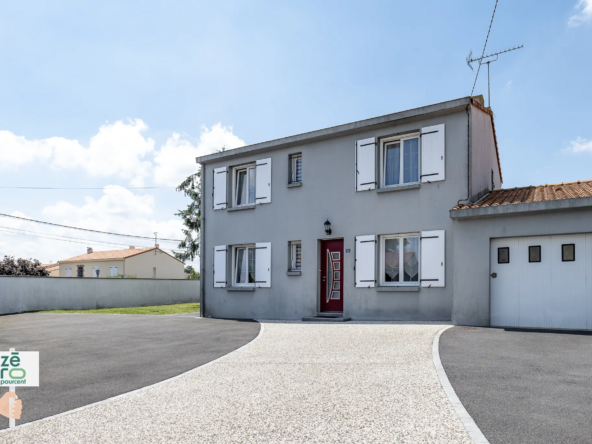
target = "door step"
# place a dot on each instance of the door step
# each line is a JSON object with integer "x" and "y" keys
{"x": 326, "y": 317}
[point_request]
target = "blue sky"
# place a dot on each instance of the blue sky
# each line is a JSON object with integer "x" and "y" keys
{"x": 126, "y": 93}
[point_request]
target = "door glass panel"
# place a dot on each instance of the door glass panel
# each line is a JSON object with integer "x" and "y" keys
{"x": 329, "y": 275}
{"x": 410, "y": 262}
{"x": 410, "y": 160}
{"x": 392, "y": 164}
{"x": 534, "y": 253}
{"x": 568, "y": 252}
{"x": 391, "y": 260}
{"x": 503, "y": 255}
{"x": 335, "y": 295}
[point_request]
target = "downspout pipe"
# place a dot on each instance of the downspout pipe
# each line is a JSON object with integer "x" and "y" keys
{"x": 202, "y": 244}
{"x": 466, "y": 199}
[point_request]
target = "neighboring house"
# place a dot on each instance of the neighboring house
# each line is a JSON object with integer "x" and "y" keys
{"x": 138, "y": 262}
{"x": 52, "y": 269}
{"x": 359, "y": 225}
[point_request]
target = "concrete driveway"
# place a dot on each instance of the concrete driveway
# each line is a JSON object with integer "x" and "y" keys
{"x": 325, "y": 383}
{"x": 85, "y": 358}
{"x": 522, "y": 386}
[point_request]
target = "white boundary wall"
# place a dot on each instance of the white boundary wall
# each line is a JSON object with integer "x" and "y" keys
{"x": 27, "y": 293}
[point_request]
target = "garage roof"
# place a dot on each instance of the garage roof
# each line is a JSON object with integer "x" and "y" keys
{"x": 536, "y": 193}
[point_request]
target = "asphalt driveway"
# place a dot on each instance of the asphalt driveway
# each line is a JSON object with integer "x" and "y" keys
{"x": 297, "y": 383}
{"x": 522, "y": 386}
{"x": 85, "y": 358}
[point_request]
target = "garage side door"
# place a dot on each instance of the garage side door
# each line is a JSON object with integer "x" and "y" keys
{"x": 546, "y": 290}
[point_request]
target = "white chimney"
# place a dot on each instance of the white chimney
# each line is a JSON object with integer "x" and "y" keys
{"x": 132, "y": 247}
{"x": 89, "y": 250}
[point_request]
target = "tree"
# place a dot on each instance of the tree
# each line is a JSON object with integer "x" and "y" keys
{"x": 21, "y": 267}
{"x": 189, "y": 269}
{"x": 191, "y": 218}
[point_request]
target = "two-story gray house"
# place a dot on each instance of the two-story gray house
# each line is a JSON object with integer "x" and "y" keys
{"x": 348, "y": 221}
{"x": 399, "y": 217}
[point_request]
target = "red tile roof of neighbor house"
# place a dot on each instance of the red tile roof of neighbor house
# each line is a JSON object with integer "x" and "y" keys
{"x": 538, "y": 193}
{"x": 50, "y": 267}
{"x": 113, "y": 254}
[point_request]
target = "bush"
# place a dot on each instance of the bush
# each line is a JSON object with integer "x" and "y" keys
{"x": 21, "y": 267}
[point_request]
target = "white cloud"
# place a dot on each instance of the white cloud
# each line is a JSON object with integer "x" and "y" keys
{"x": 176, "y": 159}
{"x": 116, "y": 150}
{"x": 584, "y": 13}
{"x": 580, "y": 145}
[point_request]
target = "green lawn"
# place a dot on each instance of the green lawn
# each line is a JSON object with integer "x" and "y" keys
{"x": 153, "y": 310}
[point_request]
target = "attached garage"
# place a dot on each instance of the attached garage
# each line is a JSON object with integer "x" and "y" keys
{"x": 542, "y": 281}
{"x": 523, "y": 258}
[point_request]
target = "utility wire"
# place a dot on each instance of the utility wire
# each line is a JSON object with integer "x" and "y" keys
{"x": 484, "y": 46}
{"x": 88, "y": 188}
{"x": 85, "y": 229}
{"x": 67, "y": 237}
{"x": 62, "y": 240}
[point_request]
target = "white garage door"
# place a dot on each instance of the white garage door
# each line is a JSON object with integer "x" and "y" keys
{"x": 542, "y": 281}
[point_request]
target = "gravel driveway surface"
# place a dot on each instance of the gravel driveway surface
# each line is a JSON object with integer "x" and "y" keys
{"x": 354, "y": 382}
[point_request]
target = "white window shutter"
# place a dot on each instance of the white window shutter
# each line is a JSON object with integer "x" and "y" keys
{"x": 68, "y": 272}
{"x": 433, "y": 254}
{"x": 365, "y": 261}
{"x": 220, "y": 194}
{"x": 263, "y": 181}
{"x": 220, "y": 266}
{"x": 263, "y": 264}
{"x": 366, "y": 164}
{"x": 433, "y": 153}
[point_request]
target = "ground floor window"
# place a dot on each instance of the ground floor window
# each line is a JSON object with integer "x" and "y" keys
{"x": 399, "y": 259}
{"x": 295, "y": 256}
{"x": 244, "y": 265}
{"x": 68, "y": 272}
{"x": 96, "y": 271}
{"x": 113, "y": 270}
{"x": 80, "y": 271}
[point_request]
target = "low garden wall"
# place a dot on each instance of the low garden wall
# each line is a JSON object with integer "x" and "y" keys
{"x": 31, "y": 293}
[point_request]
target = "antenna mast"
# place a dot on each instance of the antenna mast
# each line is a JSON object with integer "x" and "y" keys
{"x": 483, "y": 60}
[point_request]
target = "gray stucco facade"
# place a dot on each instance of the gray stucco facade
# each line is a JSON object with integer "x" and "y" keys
{"x": 328, "y": 192}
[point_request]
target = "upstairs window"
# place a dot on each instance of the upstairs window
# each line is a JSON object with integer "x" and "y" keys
{"x": 295, "y": 256}
{"x": 296, "y": 168}
{"x": 244, "y": 265}
{"x": 400, "y": 159}
{"x": 244, "y": 185}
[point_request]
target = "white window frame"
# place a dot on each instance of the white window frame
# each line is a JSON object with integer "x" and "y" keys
{"x": 235, "y": 249}
{"x": 293, "y": 254}
{"x": 400, "y": 138}
{"x": 235, "y": 172}
{"x": 111, "y": 270}
{"x": 401, "y": 283}
{"x": 68, "y": 272}
{"x": 294, "y": 167}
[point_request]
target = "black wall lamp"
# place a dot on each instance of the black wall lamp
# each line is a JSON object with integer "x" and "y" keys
{"x": 328, "y": 227}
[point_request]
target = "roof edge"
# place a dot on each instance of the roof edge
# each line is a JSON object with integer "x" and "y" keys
{"x": 574, "y": 203}
{"x": 339, "y": 130}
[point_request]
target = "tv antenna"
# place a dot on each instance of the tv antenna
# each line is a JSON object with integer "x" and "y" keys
{"x": 486, "y": 60}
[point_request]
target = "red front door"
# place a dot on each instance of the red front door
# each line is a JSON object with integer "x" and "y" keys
{"x": 332, "y": 275}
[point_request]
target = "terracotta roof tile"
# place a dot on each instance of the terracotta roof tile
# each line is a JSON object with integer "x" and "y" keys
{"x": 111, "y": 254}
{"x": 538, "y": 193}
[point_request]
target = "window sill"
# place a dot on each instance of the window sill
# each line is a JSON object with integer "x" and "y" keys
{"x": 397, "y": 289}
{"x": 294, "y": 184}
{"x": 240, "y": 288}
{"x": 245, "y": 207}
{"x": 294, "y": 273}
{"x": 410, "y": 186}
